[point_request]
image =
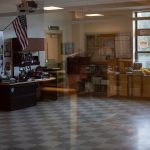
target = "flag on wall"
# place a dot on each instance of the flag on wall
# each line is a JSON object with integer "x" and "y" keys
{"x": 20, "y": 27}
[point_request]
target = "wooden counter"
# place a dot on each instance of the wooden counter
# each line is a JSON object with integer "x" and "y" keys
{"x": 19, "y": 95}
{"x": 28, "y": 82}
{"x": 130, "y": 85}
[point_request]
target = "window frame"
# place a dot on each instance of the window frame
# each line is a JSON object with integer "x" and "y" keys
{"x": 138, "y": 33}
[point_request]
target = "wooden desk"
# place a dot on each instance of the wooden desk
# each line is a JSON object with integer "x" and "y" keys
{"x": 18, "y": 95}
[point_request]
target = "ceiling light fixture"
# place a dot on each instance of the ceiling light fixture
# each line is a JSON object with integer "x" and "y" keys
{"x": 52, "y": 8}
{"x": 93, "y": 15}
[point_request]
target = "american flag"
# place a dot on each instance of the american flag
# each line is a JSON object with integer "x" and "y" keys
{"x": 20, "y": 27}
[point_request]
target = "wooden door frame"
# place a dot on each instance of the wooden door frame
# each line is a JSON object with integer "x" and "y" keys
{"x": 48, "y": 34}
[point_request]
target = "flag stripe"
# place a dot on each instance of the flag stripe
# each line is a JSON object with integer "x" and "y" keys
{"x": 19, "y": 34}
{"x": 23, "y": 34}
{"x": 23, "y": 22}
{"x": 20, "y": 27}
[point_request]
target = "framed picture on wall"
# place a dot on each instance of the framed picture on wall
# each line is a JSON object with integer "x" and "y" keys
{"x": 7, "y": 49}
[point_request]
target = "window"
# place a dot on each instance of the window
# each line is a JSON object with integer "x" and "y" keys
{"x": 143, "y": 14}
{"x": 141, "y": 29}
{"x": 143, "y": 24}
{"x": 143, "y": 43}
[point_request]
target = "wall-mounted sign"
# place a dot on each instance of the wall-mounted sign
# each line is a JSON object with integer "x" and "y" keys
{"x": 53, "y": 27}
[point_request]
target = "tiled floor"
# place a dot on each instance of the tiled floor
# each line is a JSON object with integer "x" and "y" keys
{"x": 83, "y": 123}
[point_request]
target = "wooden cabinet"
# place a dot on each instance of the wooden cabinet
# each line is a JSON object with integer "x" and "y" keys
{"x": 112, "y": 84}
{"x": 100, "y": 47}
{"x": 128, "y": 85}
{"x": 136, "y": 85}
{"x": 34, "y": 44}
{"x": 146, "y": 86}
{"x": 123, "y": 85}
{"x": 25, "y": 58}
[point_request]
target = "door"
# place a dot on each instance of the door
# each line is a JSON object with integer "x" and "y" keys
{"x": 53, "y": 48}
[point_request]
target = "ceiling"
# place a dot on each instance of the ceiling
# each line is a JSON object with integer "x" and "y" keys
{"x": 110, "y": 7}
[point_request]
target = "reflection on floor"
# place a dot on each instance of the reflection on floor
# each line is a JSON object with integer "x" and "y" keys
{"x": 72, "y": 123}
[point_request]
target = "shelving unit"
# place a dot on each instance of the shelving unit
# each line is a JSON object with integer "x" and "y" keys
{"x": 18, "y": 57}
{"x": 22, "y": 59}
{"x": 105, "y": 47}
{"x": 98, "y": 78}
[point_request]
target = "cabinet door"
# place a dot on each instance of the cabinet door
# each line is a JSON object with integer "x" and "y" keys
{"x": 136, "y": 85}
{"x": 123, "y": 85}
{"x": 146, "y": 86}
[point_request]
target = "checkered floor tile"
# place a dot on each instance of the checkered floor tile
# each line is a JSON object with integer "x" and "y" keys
{"x": 78, "y": 123}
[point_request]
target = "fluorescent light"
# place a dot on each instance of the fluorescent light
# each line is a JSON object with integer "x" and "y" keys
{"x": 93, "y": 15}
{"x": 52, "y": 8}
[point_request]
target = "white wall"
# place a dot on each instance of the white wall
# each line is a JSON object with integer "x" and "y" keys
{"x": 35, "y": 26}
{"x": 72, "y": 31}
{"x": 38, "y": 26}
{"x": 63, "y": 20}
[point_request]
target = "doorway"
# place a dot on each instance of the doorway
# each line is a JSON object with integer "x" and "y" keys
{"x": 53, "y": 43}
